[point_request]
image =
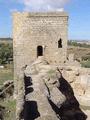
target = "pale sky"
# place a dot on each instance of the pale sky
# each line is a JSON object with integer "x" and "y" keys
{"x": 78, "y": 10}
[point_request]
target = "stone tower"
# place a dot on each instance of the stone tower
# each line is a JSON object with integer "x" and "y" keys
{"x": 39, "y": 34}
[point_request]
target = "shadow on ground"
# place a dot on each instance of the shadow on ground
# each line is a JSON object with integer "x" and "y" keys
{"x": 70, "y": 109}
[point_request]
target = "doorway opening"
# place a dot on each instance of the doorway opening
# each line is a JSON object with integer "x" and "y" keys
{"x": 60, "y": 43}
{"x": 39, "y": 51}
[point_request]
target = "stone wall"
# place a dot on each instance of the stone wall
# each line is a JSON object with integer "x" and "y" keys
{"x": 31, "y": 30}
{"x": 79, "y": 79}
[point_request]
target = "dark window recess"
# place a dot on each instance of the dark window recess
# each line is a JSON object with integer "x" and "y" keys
{"x": 60, "y": 43}
{"x": 39, "y": 51}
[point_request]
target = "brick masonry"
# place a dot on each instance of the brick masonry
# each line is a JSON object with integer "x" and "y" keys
{"x": 31, "y": 30}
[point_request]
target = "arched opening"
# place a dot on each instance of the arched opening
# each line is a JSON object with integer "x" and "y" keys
{"x": 60, "y": 43}
{"x": 39, "y": 51}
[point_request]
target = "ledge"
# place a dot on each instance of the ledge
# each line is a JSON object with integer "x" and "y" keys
{"x": 42, "y": 14}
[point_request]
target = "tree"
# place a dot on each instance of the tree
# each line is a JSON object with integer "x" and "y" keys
{"x": 6, "y": 53}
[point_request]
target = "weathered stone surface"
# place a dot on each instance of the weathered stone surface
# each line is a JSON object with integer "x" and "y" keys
{"x": 39, "y": 73}
{"x": 79, "y": 78}
{"x": 45, "y": 34}
{"x": 48, "y": 96}
{"x": 20, "y": 101}
{"x": 57, "y": 97}
{"x": 33, "y": 30}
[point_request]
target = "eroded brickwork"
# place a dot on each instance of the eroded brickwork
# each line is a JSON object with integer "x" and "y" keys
{"x": 36, "y": 34}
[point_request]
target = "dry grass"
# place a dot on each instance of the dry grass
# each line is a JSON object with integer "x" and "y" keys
{"x": 10, "y": 106}
{"x": 78, "y": 51}
{"x": 6, "y": 74}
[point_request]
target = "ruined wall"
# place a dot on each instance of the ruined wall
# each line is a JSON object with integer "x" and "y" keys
{"x": 31, "y": 30}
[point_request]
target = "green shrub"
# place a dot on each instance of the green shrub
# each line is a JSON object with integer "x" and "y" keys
{"x": 86, "y": 58}
{"x": 6, "y": 53}
{"x": 85, "y": 64}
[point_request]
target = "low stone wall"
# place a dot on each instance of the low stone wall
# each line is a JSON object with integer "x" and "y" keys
{"x": 79, "y": 78}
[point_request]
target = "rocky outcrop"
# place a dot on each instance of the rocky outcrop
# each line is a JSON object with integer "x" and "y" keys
{"x": 6, "y": 93}
{"x": 43, "y": 94}
{"x": 70, "y": 109}
{"x": 79, "y": 79}
{"x": 7, "y": 89}
{"x": 2, "y": 112}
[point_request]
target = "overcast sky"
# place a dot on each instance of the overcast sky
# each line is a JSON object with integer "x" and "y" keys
{"x": 78, "y": 10}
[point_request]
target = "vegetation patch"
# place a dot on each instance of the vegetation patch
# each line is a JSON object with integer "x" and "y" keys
{"x": 50, "y": 72}
{"x": 74, "y": 43}
{"x": 86, "y": 58}
{"x": 10, "y": 106}
{"x": 6, "y": 53}
{"x": 6, "y": 74}
{"x": 85, "y": 64}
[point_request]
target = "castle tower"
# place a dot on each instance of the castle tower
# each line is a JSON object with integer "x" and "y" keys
{"x": 39, "y": 34}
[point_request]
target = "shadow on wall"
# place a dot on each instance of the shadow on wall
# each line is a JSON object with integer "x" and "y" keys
{"x": 28, "y": 84}
{"x": 31, "y": 110}
{"x": 70, "y": 109}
